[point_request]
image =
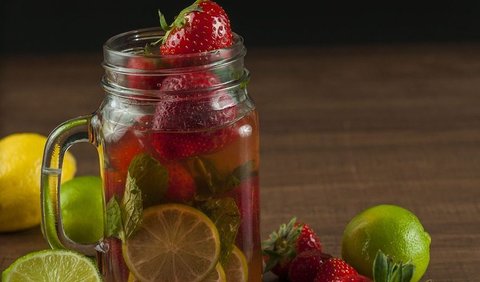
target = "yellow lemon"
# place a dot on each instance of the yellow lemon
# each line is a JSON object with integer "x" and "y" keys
{"x": 395, "y": 231}
{"x": 20, "y": 163}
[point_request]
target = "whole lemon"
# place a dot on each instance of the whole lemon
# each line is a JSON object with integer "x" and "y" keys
{"x": 81, "y": 202}
{"x": 390, "y": 228}
{"x": 20, "y": 163}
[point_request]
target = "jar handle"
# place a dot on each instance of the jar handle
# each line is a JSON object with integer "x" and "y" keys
{"x": 77, "y": 130}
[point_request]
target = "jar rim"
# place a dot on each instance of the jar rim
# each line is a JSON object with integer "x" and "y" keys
{"x": 153, "y": 34}
{"x": 126, "y": 61}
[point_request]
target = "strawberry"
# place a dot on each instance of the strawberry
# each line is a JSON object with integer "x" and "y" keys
{"x": 123, "y": 151}
{"x": 304, "y": 266}
{"x": 335, "y": 269}
{"x": 307, "y": 240}
{"x": 188, "y": 105}
{"x": 185, "y": 109}
{"x": 202, "y": 26}
{"x": 354, "y": 278}
{"x": 284, "y": 245}
{"x": 143, "y": 81}
{"x": 181, "y": 186}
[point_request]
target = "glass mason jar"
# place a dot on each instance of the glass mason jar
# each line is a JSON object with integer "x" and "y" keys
{"x": 178, "y": 144}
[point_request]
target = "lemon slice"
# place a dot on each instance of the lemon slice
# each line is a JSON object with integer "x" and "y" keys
{"x": 216, "y": 275}
{"x": 236, "y": 268}
{"x": 174, "y": 243}
{"x": 52, "y": 266}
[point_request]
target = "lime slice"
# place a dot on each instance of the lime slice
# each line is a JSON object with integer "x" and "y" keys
{"x": 52, "y": 266}
{"x": 236, "y": 268}
{"x": 216, "y": 275}
{"x": 174, "y": 243}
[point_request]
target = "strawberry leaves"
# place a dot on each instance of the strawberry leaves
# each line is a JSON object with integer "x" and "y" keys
{"x": 386, "y": 270}
{"x": 281, "y": 244}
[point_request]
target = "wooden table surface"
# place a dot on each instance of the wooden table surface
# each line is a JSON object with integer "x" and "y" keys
{"x": 342, "y": 129}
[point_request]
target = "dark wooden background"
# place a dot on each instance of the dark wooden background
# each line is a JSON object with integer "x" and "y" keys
{"x": 342, "y": 128}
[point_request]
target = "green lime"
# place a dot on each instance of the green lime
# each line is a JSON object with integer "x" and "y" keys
{"x": 81, "y": 203}
{"x": 174, "y": 243}
{"x": 52, "y": 266}
{"x": 392, "y": 229}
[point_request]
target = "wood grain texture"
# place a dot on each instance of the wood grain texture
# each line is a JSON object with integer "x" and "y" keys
{"x": 341, "y": 129}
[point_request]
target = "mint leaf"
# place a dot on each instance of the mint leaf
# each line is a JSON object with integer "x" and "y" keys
{"x": 207, "y": 177}
{"x": 150, "y": 177}
{"x": 225, "y": 215}
{"x": 211, "y": 182}
{"x": 132, "y": 207}
{"x": 239, "y": 174}
{"x": 114, "y": 219}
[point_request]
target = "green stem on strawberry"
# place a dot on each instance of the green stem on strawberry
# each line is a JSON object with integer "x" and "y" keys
{"x": 177, "y": 23}
{"x": 281, "y": 244}
{"x": 386, "y": 270}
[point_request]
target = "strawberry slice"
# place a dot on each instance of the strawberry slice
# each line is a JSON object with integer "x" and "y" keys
{"x": 202, "y": 26}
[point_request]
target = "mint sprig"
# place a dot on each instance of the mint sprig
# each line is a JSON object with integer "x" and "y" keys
{"x": 146, "y": 185}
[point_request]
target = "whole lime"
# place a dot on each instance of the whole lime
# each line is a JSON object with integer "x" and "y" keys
{"x": 20, "y": 164}
{"x": 81, "y": 204}
{"x": 394, "y": 230}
